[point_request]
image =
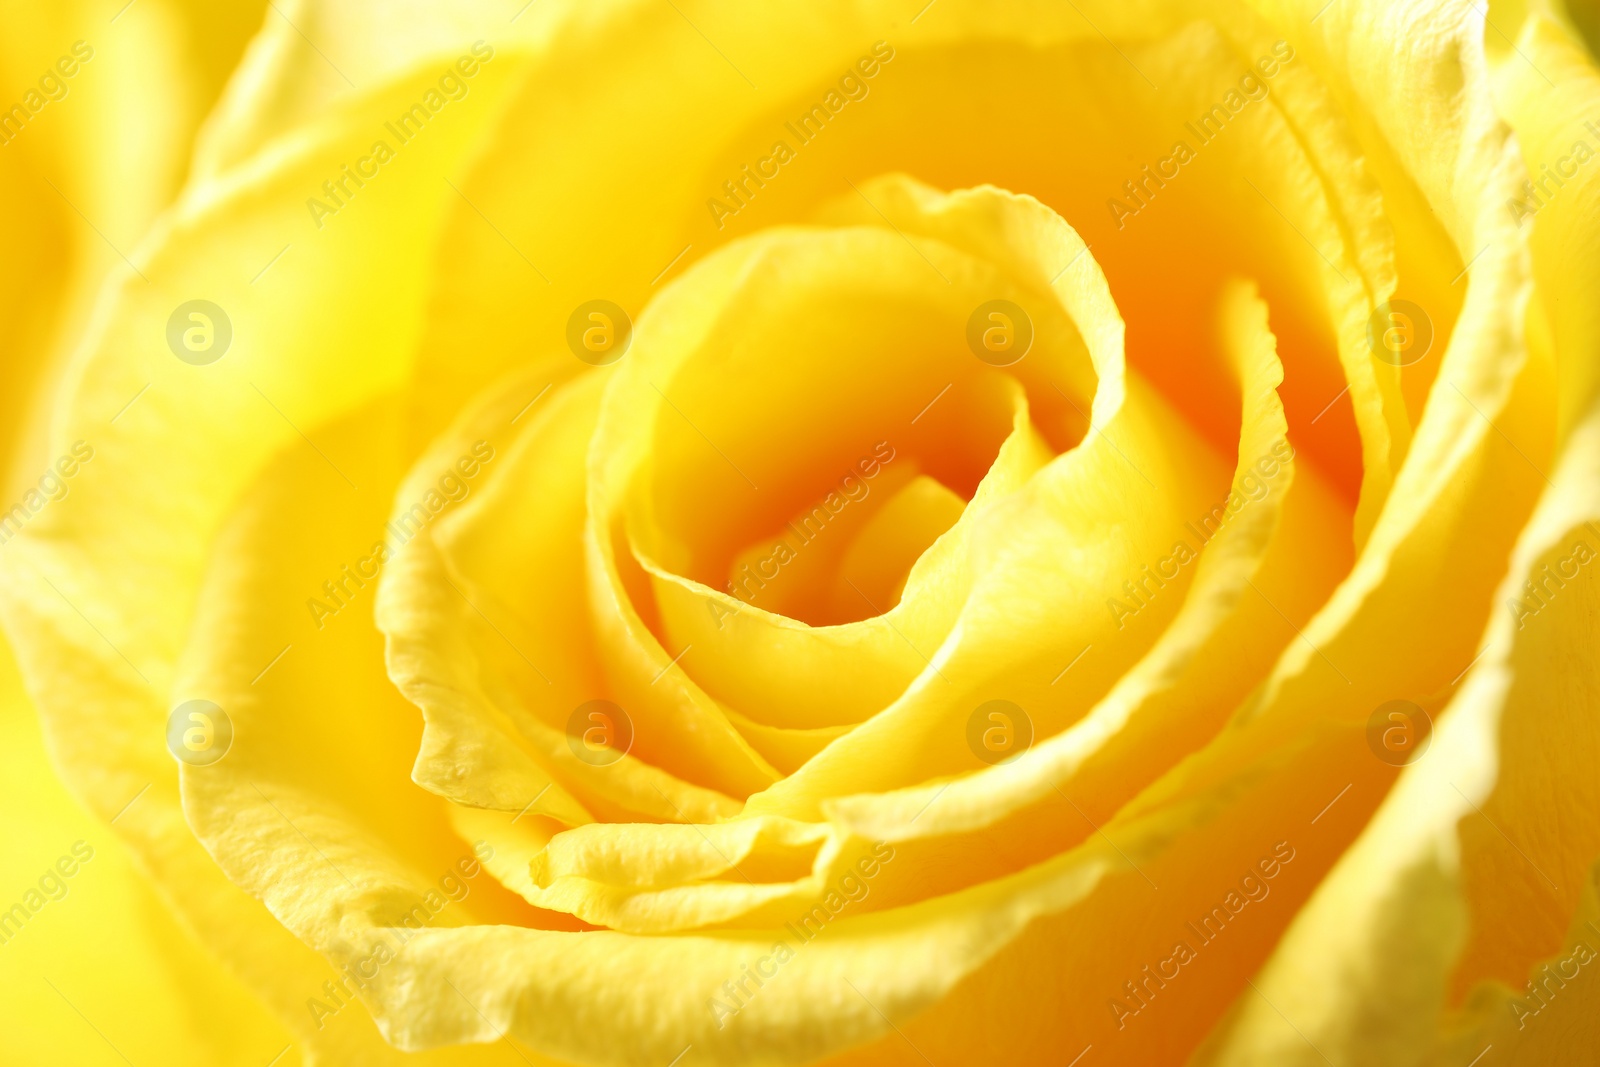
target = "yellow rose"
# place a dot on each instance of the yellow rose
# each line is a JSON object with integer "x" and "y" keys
{"x": 1028, "y": 533}
{"x": 99, "y": 103}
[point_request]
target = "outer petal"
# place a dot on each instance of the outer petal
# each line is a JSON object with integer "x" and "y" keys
{"x": 1457, "y": 887}
{"x": 101, "y": 961}
{"x": 224, "y": 232}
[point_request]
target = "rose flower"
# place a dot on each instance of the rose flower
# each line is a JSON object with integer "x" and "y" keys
{"x": 668, "y": 534}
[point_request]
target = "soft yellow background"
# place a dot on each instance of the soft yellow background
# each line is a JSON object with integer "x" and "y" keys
{"x": 109, "y": 946}
{"x": 116, "y": 149}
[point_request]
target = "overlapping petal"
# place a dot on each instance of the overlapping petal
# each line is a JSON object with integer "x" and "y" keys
{"x": 1195, "y": 537}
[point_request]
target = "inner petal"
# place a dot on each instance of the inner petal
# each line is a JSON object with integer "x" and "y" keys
{"x": 879, "y": 560}
{"x": 808, "y": 377}
{"x": 791, "y": 571}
